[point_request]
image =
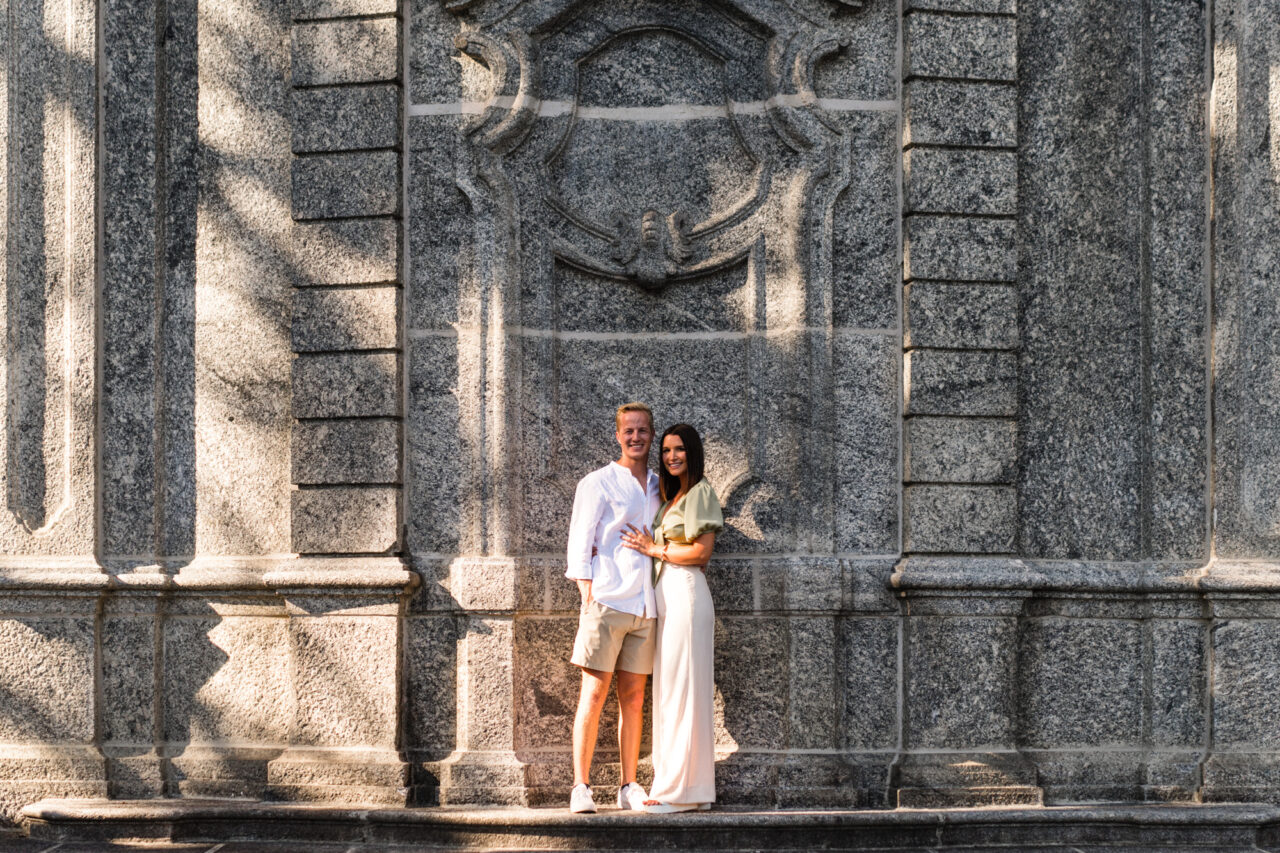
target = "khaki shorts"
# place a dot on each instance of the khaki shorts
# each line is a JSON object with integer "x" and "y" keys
{"x": 609, "y": 639}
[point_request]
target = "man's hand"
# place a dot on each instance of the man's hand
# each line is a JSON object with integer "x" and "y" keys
{"x": 584, "y": 589}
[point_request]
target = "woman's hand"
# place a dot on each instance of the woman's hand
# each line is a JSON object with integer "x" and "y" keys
{"x": 640, "y": 540}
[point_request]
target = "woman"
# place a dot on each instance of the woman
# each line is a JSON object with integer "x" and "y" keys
{"x": 683, "y": 680}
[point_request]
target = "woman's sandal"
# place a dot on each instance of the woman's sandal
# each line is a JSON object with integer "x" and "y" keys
{"x": 672, "y": 808}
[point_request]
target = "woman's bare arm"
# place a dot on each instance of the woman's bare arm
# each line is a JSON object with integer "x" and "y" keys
{"x": 695, "y": 553}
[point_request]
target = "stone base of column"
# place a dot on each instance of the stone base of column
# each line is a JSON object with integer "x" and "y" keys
{"x": 339, "y": 776}
{"x": 473, "y": 778}
{"x": 30, "y": 773}
{"x": 204, "y": 771}
{"x": 932, "y": 780}
{"x": 133, "y": 773}
{"x": 1172, "y": 777}
{"x": 1242, "y": 777}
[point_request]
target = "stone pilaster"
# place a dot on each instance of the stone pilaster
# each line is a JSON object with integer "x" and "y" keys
{"x": 345, "y": 612}
{"x": 50, "y": 580}
{"x": 961, "y": 397}
{"x": 346, "y": 306}
{"x": 960, "y": 269}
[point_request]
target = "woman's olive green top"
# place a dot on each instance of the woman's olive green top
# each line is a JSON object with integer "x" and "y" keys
{"x": 696, "y": 513}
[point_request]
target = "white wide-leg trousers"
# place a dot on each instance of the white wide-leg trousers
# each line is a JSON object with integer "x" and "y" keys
{"x": 684, "y": 769}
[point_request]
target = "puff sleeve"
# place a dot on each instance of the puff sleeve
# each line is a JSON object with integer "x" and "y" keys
{"x": 702, "y": 511}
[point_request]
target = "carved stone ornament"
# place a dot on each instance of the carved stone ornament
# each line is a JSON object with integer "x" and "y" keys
{"x": 662, "y": 139}
{"x": 626, "y": 151}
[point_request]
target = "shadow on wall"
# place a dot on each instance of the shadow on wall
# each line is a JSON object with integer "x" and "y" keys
{"x": 196, "y": 254}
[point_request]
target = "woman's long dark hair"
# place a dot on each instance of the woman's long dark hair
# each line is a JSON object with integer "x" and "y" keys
{"x": 693, "y": 455}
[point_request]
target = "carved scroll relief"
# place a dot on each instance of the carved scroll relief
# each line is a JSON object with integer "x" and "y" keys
{"x": 657, "y": 151}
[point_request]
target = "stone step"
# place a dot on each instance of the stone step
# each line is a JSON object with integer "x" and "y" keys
{"x": 1129, "y": 827}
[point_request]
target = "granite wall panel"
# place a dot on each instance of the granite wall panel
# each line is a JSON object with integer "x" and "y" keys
{"x": 242, "y": 280}
{"x": 48, "y": 259}
{"x": 1112, "y": 169}
{"x": 280, "y": 342}
{"x": 1246, "y": 347}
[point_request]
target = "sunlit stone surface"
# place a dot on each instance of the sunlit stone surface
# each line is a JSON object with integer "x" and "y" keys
{"x": 316, "y": 311}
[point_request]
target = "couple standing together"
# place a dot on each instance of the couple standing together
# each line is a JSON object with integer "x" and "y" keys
{"x": 646, "y": 609}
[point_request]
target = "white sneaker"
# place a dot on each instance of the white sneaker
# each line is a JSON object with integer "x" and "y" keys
{"x": 631, "y": 797}
{"x": 581, "y": 801}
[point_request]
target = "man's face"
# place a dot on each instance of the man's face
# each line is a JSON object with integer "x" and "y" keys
{"x": 635, "y": 434}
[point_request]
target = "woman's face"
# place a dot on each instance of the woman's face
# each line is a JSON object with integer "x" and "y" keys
{"x": 673, "y": 457}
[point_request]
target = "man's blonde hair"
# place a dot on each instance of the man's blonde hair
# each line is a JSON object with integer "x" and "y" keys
{"x": 632, "y": 407}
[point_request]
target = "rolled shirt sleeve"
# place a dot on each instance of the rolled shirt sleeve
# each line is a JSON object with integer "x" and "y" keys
{"x": 588, "y": 506}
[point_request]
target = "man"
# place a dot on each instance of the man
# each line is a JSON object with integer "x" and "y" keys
{"x": 618, "y": 620}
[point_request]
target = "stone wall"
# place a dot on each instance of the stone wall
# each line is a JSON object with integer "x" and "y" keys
{"x": 317, "y": 310}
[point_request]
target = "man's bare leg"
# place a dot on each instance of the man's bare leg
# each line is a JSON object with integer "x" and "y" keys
{"x": 630, "y": 720}
{"x": 586, "y": 722}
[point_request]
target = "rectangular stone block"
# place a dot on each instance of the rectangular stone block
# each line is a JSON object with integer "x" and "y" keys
{"x": 970, "y": 47}
{"x": 951, "y": 180}
{"x": 47, "y": 669}
{"x": 1081, "y": 682}
{"x": 812, "y": 710}
{"x": 357, "y": 451}
{"x": 240, "y": 275}
{"x": 345, "y": 676}
{"x": 128, "y": 678}
{"x": 345, "y": 520}
{"x": 488, "y": 690}
{"x": 960, "y": 684}
{"x": 751, "y": 710}
{"x": 346, "y": 118}
{"x": 949, "y": 315}
{"x": 949, "y": 112}
{"x": 547, "y": 686}
{"x": 431, "y": 661}
{"x": 227, "y": 679}
{"x": 308, "y": 9}
{"x": 360, "y": 51}
{"x": 783, "y": 584}
{"x": 346, "y": 385}
{"x": 1073, "y": 775}
{"x": 1246, "y": 656}
{"x": 338, "y": 185}
{"x": 1113, "y": 286}
{"x": 438, "y": 460}
{"x": 868, "y": 682}
{"x": 957, "y": 382}
{"x": 866, "y": 443}
{"x": 864, "y": 251}
{"x": 961, "y": 519}
{"x": 345, "y": 318}
{"x": 1179, "y": 682}
{"x": 960, "y": 450}
{"x": 960, "y": 248}
{"x": 349, "y": 251}
{"x": 442, "y": 253}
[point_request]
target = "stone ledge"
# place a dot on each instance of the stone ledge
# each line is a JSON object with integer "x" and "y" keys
{"x": 462, "y": 828}
{"x": 971, "y": 574}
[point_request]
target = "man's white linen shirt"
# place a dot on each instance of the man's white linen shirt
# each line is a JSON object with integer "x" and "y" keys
{"x": 607, "y": 500}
